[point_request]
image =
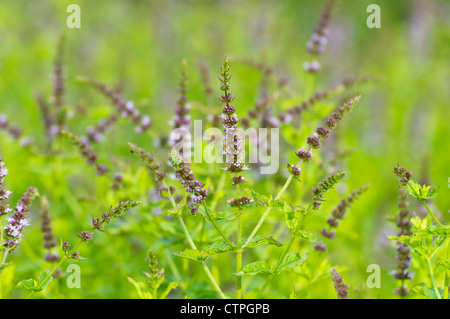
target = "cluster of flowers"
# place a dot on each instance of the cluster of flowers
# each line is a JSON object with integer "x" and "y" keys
{"x": 404, "y": 175}
{"x": 187, "y": 179}
{"x": 18, "y": 220}
{"x": 91, "y": 158}
{"x": 148, "y": 160}
{"x": 324, "y": 186}
{"x": 339, "y": 285}
{"x": 46, "y": 228}
{"x": 316, "y": 45}
{"x": 86, "y": 152}
{"x": 124, "y": 108}
{"x": 54, "y": 120}
{"x": 99, "y": 224}
{"x": 319, "y": 96}
{"x": 232, "y": 145}
{"x": 181, "y": 120}
{"x": 403, "y": 251}
{"x": 322, "y": 132}
{"x": 338, "y": 214}
{"x": 238, "y": 202}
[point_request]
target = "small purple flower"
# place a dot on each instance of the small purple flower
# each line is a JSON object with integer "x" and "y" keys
{"x": 65, "y": 246}
{"x": 86, "y": 235}
{"x": 304, "y": 155}
{"x": 313, "y": 141}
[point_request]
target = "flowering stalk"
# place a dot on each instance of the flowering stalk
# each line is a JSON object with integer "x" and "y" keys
{"x": 316, "y": 45}
{"x": 58, "y": 84}
{"x": 86, "y": 152}
{"x": 234, "y": 157}
{"x": 191, "y": 184}
{"x": 204, "y": 72}
{"x": 124, "y": 108}
{"x": 11, "y": 234}
{"x": 405, "y": 179}
{"x": 182, "y": 120}
{"x": 321, "y": 95}
{"x": 338, "y": 214}
{"x": 46, "y": 228}
{"x": 403, "y": 251}
{"x": 305, "y": 155}
{"x": 86, "y": 236}
{"x": 339, "y": 285}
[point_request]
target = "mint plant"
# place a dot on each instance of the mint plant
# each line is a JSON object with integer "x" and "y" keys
{"x": 426, "y": 239}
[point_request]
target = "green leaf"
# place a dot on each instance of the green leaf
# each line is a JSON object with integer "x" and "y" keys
{"x": 170, "y": 287}
{"x": 225, "y": 215}
{"x": 424, "y": 290}
{"x": 306, "y": 235}
{"x": 27, "y": 284}
{"x": 291, "y": 260}
{"x": 418, "y": 246}
{"x": 422, "y": 193}
{"x": 217, "y": 247}
{"x": 41, "y": 277}
{"x": 255, "y": 268}
{"x": 263, "y": 200}
{"x": 192, "y": 254}
{"x": 141, "y": 289}
{"x": 260, "y": 241}
{"x": 36, "y": 285}
{"x": 431, "y": 230}
{"x": 290, "y": 217}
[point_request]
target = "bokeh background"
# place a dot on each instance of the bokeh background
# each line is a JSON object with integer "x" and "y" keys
{"x": 137, "y": 47}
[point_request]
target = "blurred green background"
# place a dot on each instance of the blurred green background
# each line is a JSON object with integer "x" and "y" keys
{"x": 138, "y": 46}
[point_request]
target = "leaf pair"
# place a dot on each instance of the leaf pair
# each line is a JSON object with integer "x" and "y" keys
{"x": 291, "y": 260}
{"x": 220, "y": 247}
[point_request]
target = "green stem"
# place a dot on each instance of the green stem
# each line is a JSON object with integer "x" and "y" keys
{"x": 192, "y": 245}
{"x": 285, "y": 252}
{"x": 216, "y": 226}
{"x": 205, "y": 267}
{"x": 433, "y": 281}
{"x": 58, "y": 265}
{"x": 266, "y": 213}
{"x": 424, "y": 204}
{"x": 239, "y": 253}
{"x": 431, "y": 214}
{"x": 447, "y": 273}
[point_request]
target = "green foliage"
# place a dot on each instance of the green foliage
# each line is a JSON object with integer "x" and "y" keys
{"x": 291, "y": 260}
{"x": 422, "y": 193}
{"x": 409, "y": 124}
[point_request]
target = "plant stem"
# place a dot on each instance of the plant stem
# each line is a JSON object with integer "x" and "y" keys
{"x": 425, "y": 204}
{"x": 205, "y": 267}
{"x": 433, "y": 281}
{"x": 285, "y": 252}
{"x": 431, "y": 214}
{"x": 239, "y": 253}
{"x": 192, "y": 245}
{"x": 447, "y": 273}
{"x": 216, "y": 226}
{"x": 266, "y": 213}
